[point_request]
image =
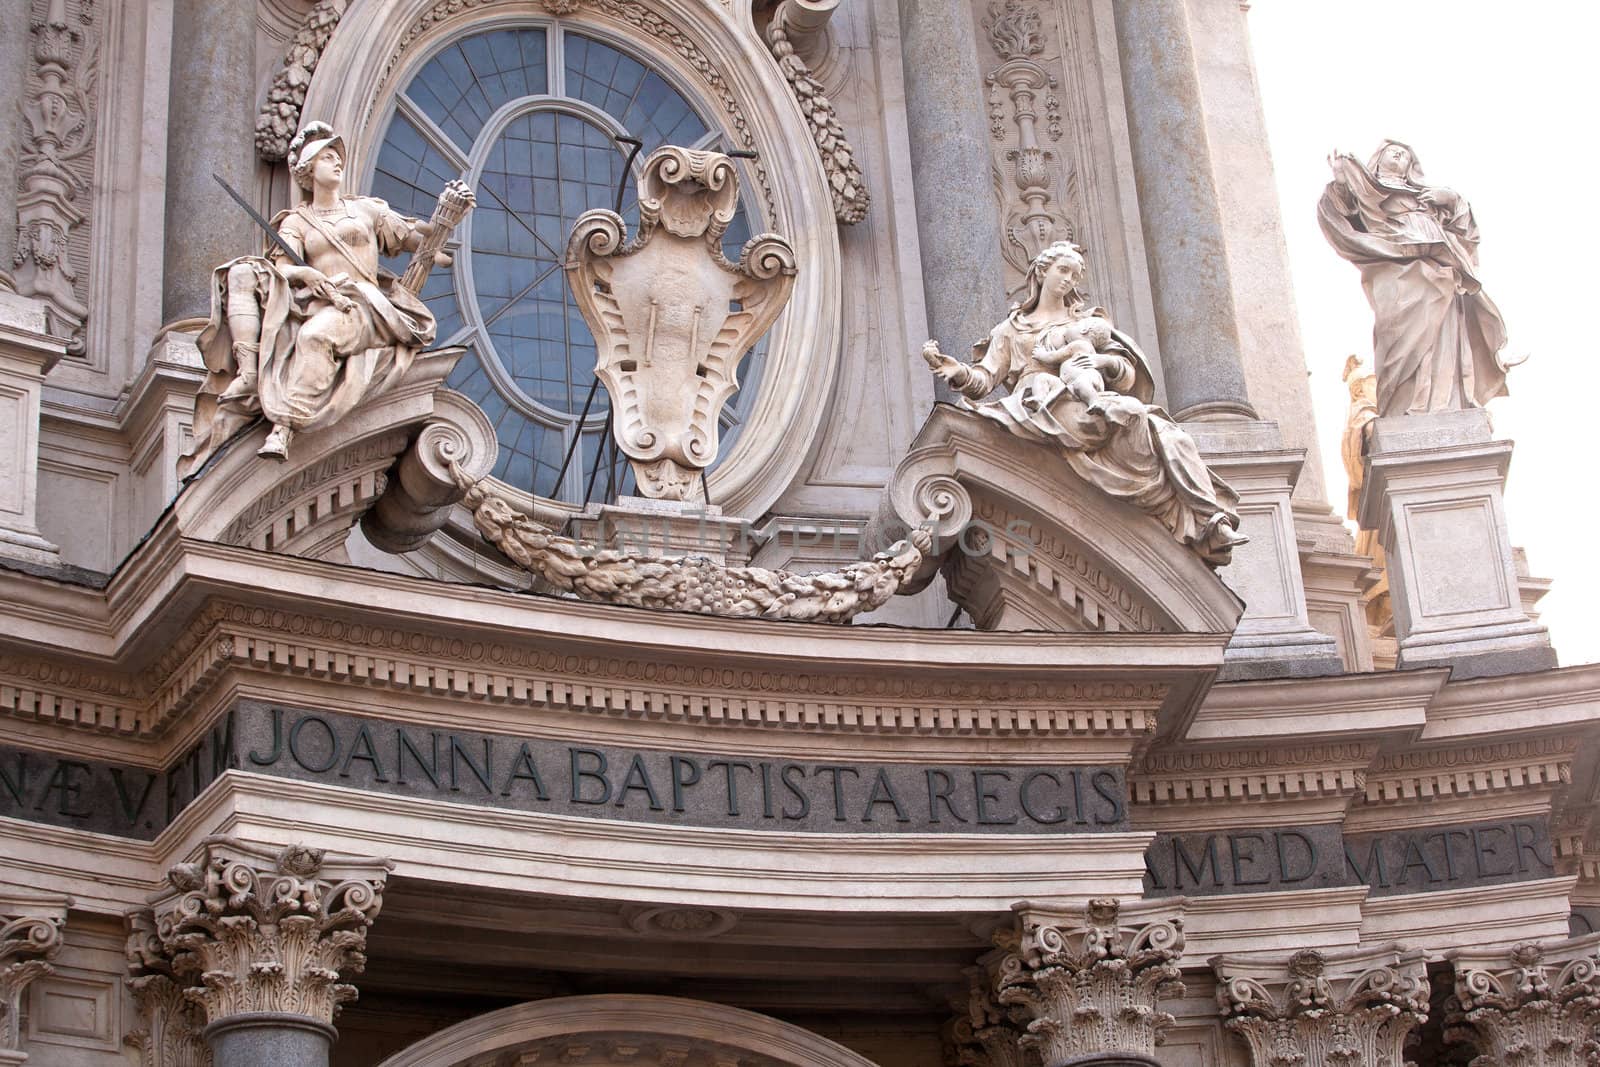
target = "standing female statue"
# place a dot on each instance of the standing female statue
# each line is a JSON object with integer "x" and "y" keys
{"x": 303, "y": 344}
{"x": 1436, "y": 335}
{"x": 1077, "y": 382}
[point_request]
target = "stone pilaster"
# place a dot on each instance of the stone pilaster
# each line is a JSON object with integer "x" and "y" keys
{"x": 261, "y": 938}
{"x": 14, "y": 52}
{"x": 30, "y": 937}
{"x": 1091, "y": 980}
{"x": 1535, "y": 1006}
{"x": 27, "y": 353}
{"x": 1202, "y": 359}
{"x": 1349, "y": 1009}
{"x": 168, "y": 1033}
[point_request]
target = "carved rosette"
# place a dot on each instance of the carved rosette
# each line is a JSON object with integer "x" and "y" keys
{"x": 1314, "y": 1010}
{"x": 57, "y": 164}
{"x": 671, "y": 317}
{"x": 250, "y": 929}
{"x": 1091, "y": 981}
{"x": 30, "y": 937}
{"x": 1536, "y": 1006}
{"x": 169, "y": 1031}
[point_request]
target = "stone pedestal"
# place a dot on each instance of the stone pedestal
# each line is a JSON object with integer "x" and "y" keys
{"x": 1275, "y": 638}
{"x": 27, "y": 353}
{"x": 667, "y": 528}
{"x": 1433, "y": 492}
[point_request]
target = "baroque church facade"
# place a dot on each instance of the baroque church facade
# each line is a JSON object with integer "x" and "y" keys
{"x": 555, "y": 585}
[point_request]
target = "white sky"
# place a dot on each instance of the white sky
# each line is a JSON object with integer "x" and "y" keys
{"x": 1499, "y": 102}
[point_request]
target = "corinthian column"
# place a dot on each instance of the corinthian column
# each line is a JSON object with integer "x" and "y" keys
{"x": 1201, "y": 357}
{"x": 261, "y": 938}
{"x": 30, "y": 937}
{"x": 1349, "y": 1009}
{"x": 210, "y": 127}
{"x": 962, "y": 273}
{"x": 1091, "y": 980}
{"x": 1536, "y": 1006}
{"x": 986, "y": 1033}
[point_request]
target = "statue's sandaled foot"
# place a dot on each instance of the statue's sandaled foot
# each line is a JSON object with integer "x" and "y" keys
{"x": 277, "y": 446}
{"x": 239, "y": 389}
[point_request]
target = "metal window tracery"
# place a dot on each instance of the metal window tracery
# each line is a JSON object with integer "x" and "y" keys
{"x": 530, "y": 116}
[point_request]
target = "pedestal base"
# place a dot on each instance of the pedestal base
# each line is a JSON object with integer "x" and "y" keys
{"x": 1434, "y": 494}
{"x": 667, "y": 528}
{"x": 1275, "y": 638}
{"x": 259, "y": 1038}
{"x": 27, "y": 353}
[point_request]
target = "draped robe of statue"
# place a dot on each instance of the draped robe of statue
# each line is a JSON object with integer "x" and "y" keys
{"x": 1134, "y": 451}
{"x": 1436, "y": 335}
{"x": 317, "y": 362}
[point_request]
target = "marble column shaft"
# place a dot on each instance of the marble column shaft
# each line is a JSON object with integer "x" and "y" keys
{"x": 16, "y": 47}
{"x": 962, "y": 274}
{"x": 1184, "y": 239}
{"x": 211, "y": 127}
{"x": 269, "y": 1037}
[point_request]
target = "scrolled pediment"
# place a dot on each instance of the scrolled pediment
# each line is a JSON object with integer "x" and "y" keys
{"x": 1025, "y": 543}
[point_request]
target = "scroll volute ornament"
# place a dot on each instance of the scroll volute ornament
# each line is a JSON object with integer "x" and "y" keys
{"x": 671, "y": 317}
{"x": 1537, "y": 1005}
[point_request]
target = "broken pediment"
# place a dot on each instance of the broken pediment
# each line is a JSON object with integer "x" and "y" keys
{"x": 1025, "y": 543}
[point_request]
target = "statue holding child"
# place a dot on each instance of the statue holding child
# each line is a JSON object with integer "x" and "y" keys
{"x": 1076, "y": 382}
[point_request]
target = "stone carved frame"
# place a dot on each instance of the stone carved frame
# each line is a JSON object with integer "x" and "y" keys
{"x": 691, "y": 42}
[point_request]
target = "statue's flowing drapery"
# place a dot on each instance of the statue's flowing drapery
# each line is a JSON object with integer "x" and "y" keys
{"x": 1436, "y": 336}
{"x": 1134, "y": 452}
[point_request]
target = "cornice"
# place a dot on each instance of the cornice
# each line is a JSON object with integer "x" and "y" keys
{"x": 1477, "y": 770}
{"x": 1279, "y": 773}
{"x": 1350, "y": 706}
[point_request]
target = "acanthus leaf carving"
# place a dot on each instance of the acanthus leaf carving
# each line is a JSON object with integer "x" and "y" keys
{"x": 1092, "y": 980}
{"x": 253, "y": 929}
{"x": 30, "y": 938}
{"x": 1535, "y": 1006}
{"x": 1355, "y": 1009}
{"x": 169, "y": 1030}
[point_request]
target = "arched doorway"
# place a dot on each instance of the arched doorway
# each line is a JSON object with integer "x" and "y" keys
{"x": 641, "y": 1031}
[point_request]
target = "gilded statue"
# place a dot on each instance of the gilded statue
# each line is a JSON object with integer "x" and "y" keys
{"x": 1436, "y": 335}
{"x": 303, "y": 334}
{"x": 1076, "y": 382}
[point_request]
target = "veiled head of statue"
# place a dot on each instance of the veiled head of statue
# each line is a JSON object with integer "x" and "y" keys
{"x": 1069, "y": 257}
{"x": 1396, "y": 159}
{"x": 308, "y": 145}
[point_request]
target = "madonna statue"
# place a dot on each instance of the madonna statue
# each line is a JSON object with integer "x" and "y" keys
{"x": 1436, "y": 335}
{"x": 303, "y": 343}
{"x": 1076, "y": 382}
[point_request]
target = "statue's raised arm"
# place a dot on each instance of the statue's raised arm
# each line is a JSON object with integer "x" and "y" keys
{"x": 301, "y": 340}
{"x": 1079, "y": 384}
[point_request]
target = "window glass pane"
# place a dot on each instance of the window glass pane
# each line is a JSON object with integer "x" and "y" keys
{"x": 532, "y": 366}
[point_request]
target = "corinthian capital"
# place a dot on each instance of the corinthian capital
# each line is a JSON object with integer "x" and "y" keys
{"x": 255, "y": 929}
{"x": 1537, "y": 1004}
{"x": 30, "y": 937}
{"x": 1090, "y": 980}
{"x": 1348, "y": 1009}
{"x": 984, "y": 1032}
{"x": 168, "y": 1034}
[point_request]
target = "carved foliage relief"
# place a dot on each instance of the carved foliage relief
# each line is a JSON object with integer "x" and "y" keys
{"x": 1036, "y": 184}
{"x": 56, "y": 163}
